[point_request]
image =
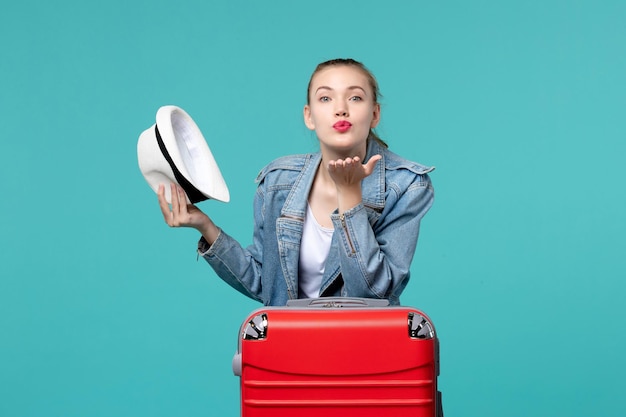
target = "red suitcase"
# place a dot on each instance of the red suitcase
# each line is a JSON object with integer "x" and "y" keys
{"x": 338, "y": 357}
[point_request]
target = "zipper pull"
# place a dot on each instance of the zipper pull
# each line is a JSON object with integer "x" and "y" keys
{"x": 345, "y": 230}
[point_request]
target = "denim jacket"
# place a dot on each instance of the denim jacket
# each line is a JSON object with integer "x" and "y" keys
{"x": 371, "y": 248}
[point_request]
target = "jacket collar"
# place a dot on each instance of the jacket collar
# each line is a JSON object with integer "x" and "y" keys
{"x": 373, "y": 186}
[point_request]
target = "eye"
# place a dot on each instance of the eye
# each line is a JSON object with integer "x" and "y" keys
{"x": 324, "y": 99}
{"x": 356, "y": 98}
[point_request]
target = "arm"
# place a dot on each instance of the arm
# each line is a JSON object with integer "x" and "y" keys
{"x": 375, "y": 259}
{"x": 236, "y": 265}
{"x": 239, "y": 267}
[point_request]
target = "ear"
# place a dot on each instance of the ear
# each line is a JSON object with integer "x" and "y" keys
{"x": 308, "y": 120}
{"x": 375, "y": 116}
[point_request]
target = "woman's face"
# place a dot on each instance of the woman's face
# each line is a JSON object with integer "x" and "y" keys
{"x": 341, "y": 110}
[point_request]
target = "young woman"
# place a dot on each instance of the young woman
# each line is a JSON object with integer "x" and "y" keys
{"x": 340, "y": 222}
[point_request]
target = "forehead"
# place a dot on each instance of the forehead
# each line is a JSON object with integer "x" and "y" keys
{"x": 340, "y": 76}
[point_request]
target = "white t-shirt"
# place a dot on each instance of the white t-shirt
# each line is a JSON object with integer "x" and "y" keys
{"x": 314, "y": 250}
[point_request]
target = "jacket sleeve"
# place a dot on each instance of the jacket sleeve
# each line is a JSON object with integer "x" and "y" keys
{"x": 239, "y": 267}
{"x": 376, "y": 257}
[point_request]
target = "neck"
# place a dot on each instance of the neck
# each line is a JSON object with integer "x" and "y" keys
{"x": 322, "y": 176}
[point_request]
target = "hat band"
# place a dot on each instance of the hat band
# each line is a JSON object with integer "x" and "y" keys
{"x": 193, "y": 193}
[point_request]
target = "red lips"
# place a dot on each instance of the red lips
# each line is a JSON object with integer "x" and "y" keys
{"x": 342, "y": 126}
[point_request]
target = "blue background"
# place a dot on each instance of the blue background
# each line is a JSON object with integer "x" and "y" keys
{"x": 104, "y": 311}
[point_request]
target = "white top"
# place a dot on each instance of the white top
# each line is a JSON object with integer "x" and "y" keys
{"x": 314, "y": 250}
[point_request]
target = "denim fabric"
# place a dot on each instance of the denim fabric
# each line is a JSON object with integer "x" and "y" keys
{"x": 372, "y": 246}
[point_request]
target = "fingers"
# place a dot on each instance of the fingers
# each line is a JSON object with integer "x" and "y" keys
{"x": 180, "y": 215}
{"x": 347, "y": 163}
{"x": 175, "y": 213}
{"x": 369, "y": 166}
{"x": 179, "y": 203}
{"x": 163, "y": 204}
{"x": 351, "y": 164}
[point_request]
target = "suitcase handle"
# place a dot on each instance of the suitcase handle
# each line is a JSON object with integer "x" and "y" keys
{"x": 337, "y": 302}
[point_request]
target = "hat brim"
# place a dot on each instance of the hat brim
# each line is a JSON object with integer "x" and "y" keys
{"x": 174, "y": 151}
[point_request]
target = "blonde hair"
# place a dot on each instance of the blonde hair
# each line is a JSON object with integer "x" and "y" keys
{"x": 368, "y": 74}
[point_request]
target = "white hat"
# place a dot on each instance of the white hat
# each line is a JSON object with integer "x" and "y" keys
{"x": 174, "y": 151}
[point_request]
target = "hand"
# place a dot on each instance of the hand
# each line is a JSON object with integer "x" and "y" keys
{"x": 182, "y": 214}
{"x": 347, "y": 175}
{"x": 350, "y": 171}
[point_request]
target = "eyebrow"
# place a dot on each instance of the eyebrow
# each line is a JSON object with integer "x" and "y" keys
{"x": 352, "y": 87}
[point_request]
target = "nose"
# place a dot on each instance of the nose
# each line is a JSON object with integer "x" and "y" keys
{"x": 341, "y": 111}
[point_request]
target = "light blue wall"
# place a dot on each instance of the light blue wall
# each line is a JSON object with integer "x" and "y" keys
{"x": 104, "y": 311}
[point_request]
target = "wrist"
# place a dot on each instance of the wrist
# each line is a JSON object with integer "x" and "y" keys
{"x": 348, "y": 197}
{"x": 209, "y": 231}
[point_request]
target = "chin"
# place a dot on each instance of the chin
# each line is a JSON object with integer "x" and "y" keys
{"x": 345, "y": 148}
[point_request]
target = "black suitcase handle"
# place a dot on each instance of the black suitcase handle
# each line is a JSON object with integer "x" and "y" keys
{"x": 337, "y": 302}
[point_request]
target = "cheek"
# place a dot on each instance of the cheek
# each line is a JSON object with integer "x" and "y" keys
{"x": 318, "y": 117}
{"x": 366, "y": 118}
